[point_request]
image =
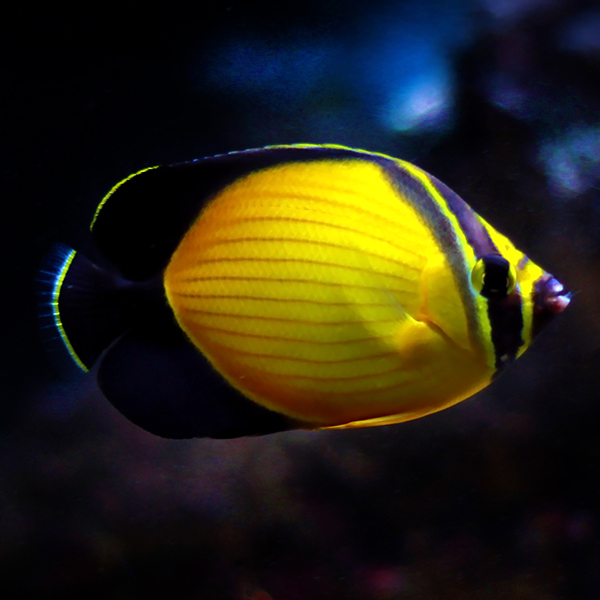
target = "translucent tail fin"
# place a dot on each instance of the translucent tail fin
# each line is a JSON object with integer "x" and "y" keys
{"x": 79, "y": 309}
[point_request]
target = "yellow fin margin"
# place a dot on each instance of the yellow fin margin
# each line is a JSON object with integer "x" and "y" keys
{"x": 114, "y": 189}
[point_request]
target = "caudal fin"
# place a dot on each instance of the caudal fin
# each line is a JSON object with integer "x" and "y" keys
{"x": 79, "y": 308}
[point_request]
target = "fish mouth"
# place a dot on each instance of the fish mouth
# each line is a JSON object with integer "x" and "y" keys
{"x": 550, "y": 298}
{"x": 551, "y": 295}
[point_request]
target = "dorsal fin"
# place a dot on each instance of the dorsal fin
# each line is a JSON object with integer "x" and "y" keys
{"x": 140, "y": 222}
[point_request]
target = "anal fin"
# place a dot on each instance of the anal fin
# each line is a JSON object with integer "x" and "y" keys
{"x": 164, "y": 385}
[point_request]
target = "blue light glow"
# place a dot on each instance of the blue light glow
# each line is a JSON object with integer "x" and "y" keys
{"x": 424, "y": 104}
{"x": 582, "y": 33}
{"x": 572, "y": 162}
{"x": 403, "y": 70}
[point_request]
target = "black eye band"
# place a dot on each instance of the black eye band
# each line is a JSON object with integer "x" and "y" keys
{"x": 496, "y": 277}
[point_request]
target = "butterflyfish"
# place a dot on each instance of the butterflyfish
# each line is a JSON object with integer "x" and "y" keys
{"x": 302, "y": 286}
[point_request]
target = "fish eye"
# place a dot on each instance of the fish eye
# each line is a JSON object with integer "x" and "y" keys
{"x": 493, "y": 276}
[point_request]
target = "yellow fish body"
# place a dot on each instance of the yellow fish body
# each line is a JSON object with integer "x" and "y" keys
{"x": 294, "y": 286}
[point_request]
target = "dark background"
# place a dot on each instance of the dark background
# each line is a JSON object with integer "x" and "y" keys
{"x": 498, "y": 497}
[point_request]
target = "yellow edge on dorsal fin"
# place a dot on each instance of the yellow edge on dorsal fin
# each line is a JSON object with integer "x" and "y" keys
{"x": 114, "y": 189}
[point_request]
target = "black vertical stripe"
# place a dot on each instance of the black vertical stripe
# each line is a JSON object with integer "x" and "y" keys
{"x": 506, "y": 320}
{"x": 420, "y": 199}
{"x": 476, "y": 234}
{"x": 505, "y": 314}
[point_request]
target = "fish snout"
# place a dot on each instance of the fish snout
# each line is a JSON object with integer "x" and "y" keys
{"x": 550, "y": 298}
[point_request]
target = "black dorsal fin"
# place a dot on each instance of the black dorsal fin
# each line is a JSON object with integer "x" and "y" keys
{"x": 140, "y": 222}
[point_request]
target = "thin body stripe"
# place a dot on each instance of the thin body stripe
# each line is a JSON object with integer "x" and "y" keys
{"x": 361, "y": 377}
{"x": 306, "y": 222}
{"x": 281, "y": 280}
{"x": 306, "y": 261}
{"x": 358, "y": 321}
{"x": 368, "y": 391}
{"x": 324, "y": 201}
{"x": 335, "y": 361}
{"x": 296, "y": 340}
{"x": 316, "y": 378}
{"x": 276, "y": 299}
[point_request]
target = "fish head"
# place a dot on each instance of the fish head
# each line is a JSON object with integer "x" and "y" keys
{"x": 491, "y": 306}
